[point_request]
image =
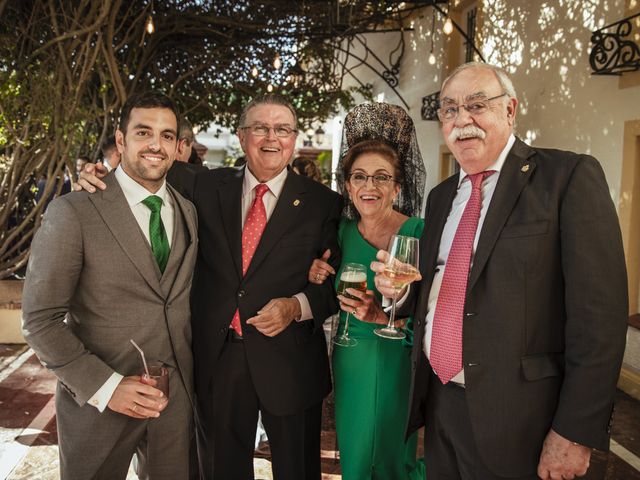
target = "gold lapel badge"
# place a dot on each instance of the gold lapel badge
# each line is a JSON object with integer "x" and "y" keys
{"x": 296, "y": 202}
{"x": 525, "y": 168}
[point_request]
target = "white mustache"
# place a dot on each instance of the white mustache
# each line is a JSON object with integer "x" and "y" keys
{"x": 468, "y": 131}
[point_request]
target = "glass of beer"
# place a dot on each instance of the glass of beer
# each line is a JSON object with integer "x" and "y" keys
{"x": 402, "y": 269}
{"x": 353, "y": 275}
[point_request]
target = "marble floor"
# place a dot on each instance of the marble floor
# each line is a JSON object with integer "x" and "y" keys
{"x": 28, "y": 437}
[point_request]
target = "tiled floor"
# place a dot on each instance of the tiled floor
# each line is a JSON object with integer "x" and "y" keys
{"x": 28, "y": 437}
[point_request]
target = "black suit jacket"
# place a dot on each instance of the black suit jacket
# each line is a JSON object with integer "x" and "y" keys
{"x": 290, "y": 371}
{"x": 545, "y": 312}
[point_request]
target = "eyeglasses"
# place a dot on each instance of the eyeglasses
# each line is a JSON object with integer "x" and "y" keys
{"x": 360, "y": 179}
{"x": 281, "y": 131}
{"x": 450, "y": 111}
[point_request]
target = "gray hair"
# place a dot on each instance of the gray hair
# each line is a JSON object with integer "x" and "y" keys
{"x": 185, "y": 131}
{"x": 271, "y": 99}
{"x": 501, "y": 75}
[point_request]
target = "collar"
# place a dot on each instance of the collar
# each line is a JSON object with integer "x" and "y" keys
{"x": 134, "y": 192}
{"x": 275, "y": 185}
{"x": 498, "y": 164}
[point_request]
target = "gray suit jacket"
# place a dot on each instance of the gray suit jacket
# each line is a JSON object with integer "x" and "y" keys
{"x": 93, "y": 284}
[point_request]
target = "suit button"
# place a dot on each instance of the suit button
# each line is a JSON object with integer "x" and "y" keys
{"x": 241, "y": 293}
{"x": 223, "y": 330}
{"x": 470, "y": 314}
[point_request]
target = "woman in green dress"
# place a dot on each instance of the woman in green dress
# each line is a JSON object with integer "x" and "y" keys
{"x": 381, "y": 168}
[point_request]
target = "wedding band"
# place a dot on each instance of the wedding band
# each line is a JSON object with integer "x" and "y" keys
{"x": 355, "y": 310}
{"x": 133, "y": 409}
{"x": 317, "y": 276}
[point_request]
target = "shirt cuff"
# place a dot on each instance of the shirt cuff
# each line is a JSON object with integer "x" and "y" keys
{"x": 386, "y": 302}
{"x": 101, "y": 398}
{"x": 304, "y": 307}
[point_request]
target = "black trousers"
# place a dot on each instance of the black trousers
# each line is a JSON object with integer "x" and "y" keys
{"x": 228, "y": 427}
{"x": 450, "y": 450}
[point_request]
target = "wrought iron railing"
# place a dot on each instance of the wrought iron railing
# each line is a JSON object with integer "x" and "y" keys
{"x": 615, "y": 48}
{"x": 430, "y": 104}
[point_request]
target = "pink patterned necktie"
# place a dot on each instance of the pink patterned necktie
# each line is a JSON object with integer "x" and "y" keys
{"x": 446, "y": 336}
{"x": 251, "y": 233}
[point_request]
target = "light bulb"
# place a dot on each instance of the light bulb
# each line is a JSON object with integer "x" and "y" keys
{"x": 432, "y": 59}
{"x": 277, "y": 63}
{"x": 149, "y": 26}
{"x": 448, "y": 26}
{"x": 254, "y": 71}
{"x": 269, "y": 88}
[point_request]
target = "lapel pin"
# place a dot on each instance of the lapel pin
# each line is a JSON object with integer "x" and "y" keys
{"x": 296, "y": 202}
{"x": 525, "y": 168}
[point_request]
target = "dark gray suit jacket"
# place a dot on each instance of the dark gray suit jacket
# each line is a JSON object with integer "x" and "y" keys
{"x": 546, "y": 308}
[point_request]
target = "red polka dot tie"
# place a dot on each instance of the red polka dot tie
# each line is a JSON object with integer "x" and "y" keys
{"x": 446, "y": 337}
{"x": 251, "y": 233}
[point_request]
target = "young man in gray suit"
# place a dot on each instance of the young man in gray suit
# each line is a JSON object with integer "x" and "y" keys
{"x": 105, "y": 412}
{"x": 521, "y": 317}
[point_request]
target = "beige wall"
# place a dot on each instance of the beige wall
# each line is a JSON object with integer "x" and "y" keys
{"x": 545, "y": 47}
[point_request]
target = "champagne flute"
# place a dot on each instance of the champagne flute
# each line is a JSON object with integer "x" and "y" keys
{"x": 354, "y": 275}
{"x": 402, "y": 269}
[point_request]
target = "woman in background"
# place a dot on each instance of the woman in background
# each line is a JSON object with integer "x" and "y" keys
{"x": 307, "y": 167}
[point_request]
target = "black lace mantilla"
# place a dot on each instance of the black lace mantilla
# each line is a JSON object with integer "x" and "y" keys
{"x": 390, "y": 124}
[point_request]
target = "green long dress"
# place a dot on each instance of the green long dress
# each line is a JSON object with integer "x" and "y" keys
{"x": 372, "y": 384}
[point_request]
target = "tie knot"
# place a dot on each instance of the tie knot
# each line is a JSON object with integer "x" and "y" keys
{"x": 154, "y": 203}
{"x": 261, "y": 189}
{"x": 477, "y": 178}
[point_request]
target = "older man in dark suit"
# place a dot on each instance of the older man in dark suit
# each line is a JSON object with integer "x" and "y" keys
{"x": 521, "y": 316}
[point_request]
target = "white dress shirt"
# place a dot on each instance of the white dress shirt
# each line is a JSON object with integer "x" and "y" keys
{"x": 135, "y": 194}
{"x": 105, "y": 162}
{"x": 450, "y": 227}
{"x": 270, "y": 200}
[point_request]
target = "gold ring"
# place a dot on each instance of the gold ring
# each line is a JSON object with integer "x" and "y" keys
{"x": 355, "y": 310}
{"x": 317, "y": 276}
{"x": 133, "y": 409}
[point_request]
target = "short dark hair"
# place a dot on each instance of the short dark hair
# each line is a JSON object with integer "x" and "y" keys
{"x": 271, "y": 99}
{"x": 372, "y": 146}
{"x": 147, "y": 99}
{"x": 84, "y": 158}
{"x": 307, "y": 168}
{"x": 108, "y": 145}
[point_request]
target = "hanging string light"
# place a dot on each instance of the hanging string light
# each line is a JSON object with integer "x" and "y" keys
{"x": 254, "y": 71}
{"x": 277, "y": 63}
{"x": 269, "y": 88}
{"x": 150, "y": 27}
{"x": 432, "y": 57}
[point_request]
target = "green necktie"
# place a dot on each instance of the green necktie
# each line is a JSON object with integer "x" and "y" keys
{"x": 159, "y": 242}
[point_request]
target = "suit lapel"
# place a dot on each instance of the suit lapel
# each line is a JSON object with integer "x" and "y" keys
{"x": 230, "y": 197}
{"x": 184, "y": 231}
{"x": 112, "y": 206}
{"x": 437, "y": 214}
{"x": 514, "y": 175}
{"x": 290, "y": 204}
